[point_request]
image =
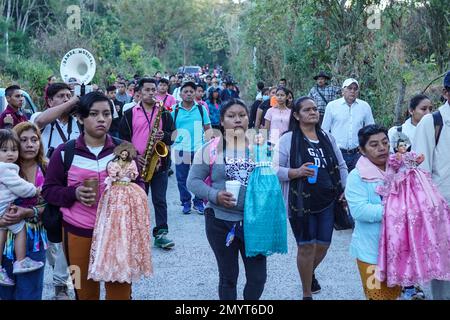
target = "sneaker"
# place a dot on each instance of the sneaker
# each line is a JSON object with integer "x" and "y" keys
{"x": 200, "y": 208}
{"x": 187, "y": 208}
{"x": 315, "y": 286}
{"x": 61, "y": 293}
{"x": 161, "y": 240}
{"x": 420, "y": 295}
{"x": 26, "y": 265}
{"x": 4, "y": 279}
{"x": 408, "y": 294}
{"x": 414, "y": 293}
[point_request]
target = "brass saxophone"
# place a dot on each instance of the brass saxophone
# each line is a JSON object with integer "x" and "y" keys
{"x": 155, "y": 149}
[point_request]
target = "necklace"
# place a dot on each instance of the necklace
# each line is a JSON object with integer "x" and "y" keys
{"x": 281, "y": 113}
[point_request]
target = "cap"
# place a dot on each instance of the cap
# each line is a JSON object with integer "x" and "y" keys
{"x": 72, "y": 81}
{"x": 188, "y": 84}
{"x": 349, "y": 81}
{"x": 447, "y": 79}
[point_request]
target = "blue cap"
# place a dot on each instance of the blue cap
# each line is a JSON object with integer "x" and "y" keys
{"x": 447, "y": 79}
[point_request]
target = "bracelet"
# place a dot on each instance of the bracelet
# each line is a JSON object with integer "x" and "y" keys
{"x": 35, "y": 212}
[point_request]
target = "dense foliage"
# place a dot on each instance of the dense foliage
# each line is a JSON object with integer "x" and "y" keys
{"x": 254, "y": 40}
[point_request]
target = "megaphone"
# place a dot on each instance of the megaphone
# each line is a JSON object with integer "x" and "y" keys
{"x": 79, "y": 64}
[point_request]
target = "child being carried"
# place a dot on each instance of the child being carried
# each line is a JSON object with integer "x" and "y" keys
{"x": 12, "y": 187}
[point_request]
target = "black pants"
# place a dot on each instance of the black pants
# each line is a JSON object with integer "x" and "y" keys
{"x": 228, "y": 260}
{"x": 158, "y": 186}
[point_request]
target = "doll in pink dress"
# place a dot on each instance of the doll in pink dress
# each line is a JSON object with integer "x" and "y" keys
{"x": 414, "y": 245}
{"x": 120, "y": 250}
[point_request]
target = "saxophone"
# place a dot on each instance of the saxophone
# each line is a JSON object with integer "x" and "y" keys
{"x": 155, "y": 149}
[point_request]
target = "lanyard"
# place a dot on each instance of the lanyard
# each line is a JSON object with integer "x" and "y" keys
{"x": 146, "y": 116}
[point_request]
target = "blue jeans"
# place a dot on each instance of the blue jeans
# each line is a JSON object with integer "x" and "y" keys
{"x": 29, "y": 286}
{"x": 351, "y": 159}
{"x": 320, "y": 227}
{"x": 183, "y": 162}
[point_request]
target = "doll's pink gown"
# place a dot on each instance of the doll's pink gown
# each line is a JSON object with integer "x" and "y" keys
{"x": 414, "y": 245}
{"x": 120, "y": 250}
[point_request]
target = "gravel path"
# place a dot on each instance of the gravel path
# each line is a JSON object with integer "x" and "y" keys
{"x": 189, "y": 271}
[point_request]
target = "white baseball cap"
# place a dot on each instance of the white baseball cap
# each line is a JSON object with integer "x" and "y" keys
{"x": 349, "y": 81}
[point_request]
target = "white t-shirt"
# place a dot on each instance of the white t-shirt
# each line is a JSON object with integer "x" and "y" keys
{"x": 128, "y": 106}
{"x": 96, "y": 150}
{"x": 408, "y": 129}
{"x": 56, "y": 138}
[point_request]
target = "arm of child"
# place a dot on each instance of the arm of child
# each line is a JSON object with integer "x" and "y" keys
{"x": 20, "y": 187}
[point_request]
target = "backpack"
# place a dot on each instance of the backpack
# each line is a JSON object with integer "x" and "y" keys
{"x": 177, "y": 109}
{"x": 438, "y": 124}
{"x": 212, "y": 159}
{"x": 52, "y": 217}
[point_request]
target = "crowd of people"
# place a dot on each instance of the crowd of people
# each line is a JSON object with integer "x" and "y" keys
{"x": 75, "y": 192}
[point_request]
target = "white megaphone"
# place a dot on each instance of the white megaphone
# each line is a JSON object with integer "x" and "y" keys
{"x": 79, "y": 64}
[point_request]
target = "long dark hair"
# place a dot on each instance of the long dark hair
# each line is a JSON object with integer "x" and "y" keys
{"x": 228, "y": 104}
{"x": 294, "y": 124}
{"x": 211, "y": 96}
{"x": 223, "y": 109}
{"x": 414, "y": 102}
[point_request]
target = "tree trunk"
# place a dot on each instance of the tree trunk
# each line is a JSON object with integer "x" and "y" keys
{"x": 401, "y": 97}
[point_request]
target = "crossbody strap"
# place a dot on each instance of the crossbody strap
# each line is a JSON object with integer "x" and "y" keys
{"x": 323, "y": 98}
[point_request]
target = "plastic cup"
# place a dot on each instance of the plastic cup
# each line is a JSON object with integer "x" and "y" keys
{"x": 313, "y": 179}
{"x": 92, "y": 183}
{"x": 233, "y": 187}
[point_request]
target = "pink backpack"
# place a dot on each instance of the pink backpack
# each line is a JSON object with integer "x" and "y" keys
{"x": 212, "y": 158}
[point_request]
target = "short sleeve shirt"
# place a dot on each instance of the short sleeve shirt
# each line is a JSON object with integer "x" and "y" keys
{"x": 56, "y": 138}
{"x": 279, "y": 122}
{"x": 322, "y": 194}
{"x": 190, "y": 135}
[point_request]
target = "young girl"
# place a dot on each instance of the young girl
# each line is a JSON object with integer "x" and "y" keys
{"x": 120, "y": 250}
{"x": 11, "y": 188}
{"x": 416, "y": 224}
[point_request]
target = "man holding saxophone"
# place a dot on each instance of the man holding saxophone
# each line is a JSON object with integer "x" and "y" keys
{"x": 139, "y": 125}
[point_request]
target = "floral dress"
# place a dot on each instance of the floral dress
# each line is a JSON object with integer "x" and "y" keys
{"x": 120, "y": 250}
{"x": 414, "y": 245}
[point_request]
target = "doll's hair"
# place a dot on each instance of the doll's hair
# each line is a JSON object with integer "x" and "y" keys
{"x": 397, "y": 144}
{"x": 126, "y": 146}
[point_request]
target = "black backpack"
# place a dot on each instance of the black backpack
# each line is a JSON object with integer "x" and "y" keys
{"x": 438, "y": 124}
{"x": 52, "y": 217}
{"x": 177, "y": 109}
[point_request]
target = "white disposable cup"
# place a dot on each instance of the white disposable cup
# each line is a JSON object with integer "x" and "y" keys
{"x": 233, "y": 187}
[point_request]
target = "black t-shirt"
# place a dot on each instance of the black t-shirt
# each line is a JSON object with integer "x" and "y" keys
{"x": 264, "y": 106}
{"x": 322, "y": 192}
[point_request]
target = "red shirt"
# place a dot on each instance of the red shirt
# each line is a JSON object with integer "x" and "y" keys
{"x": 17, "y": 116}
